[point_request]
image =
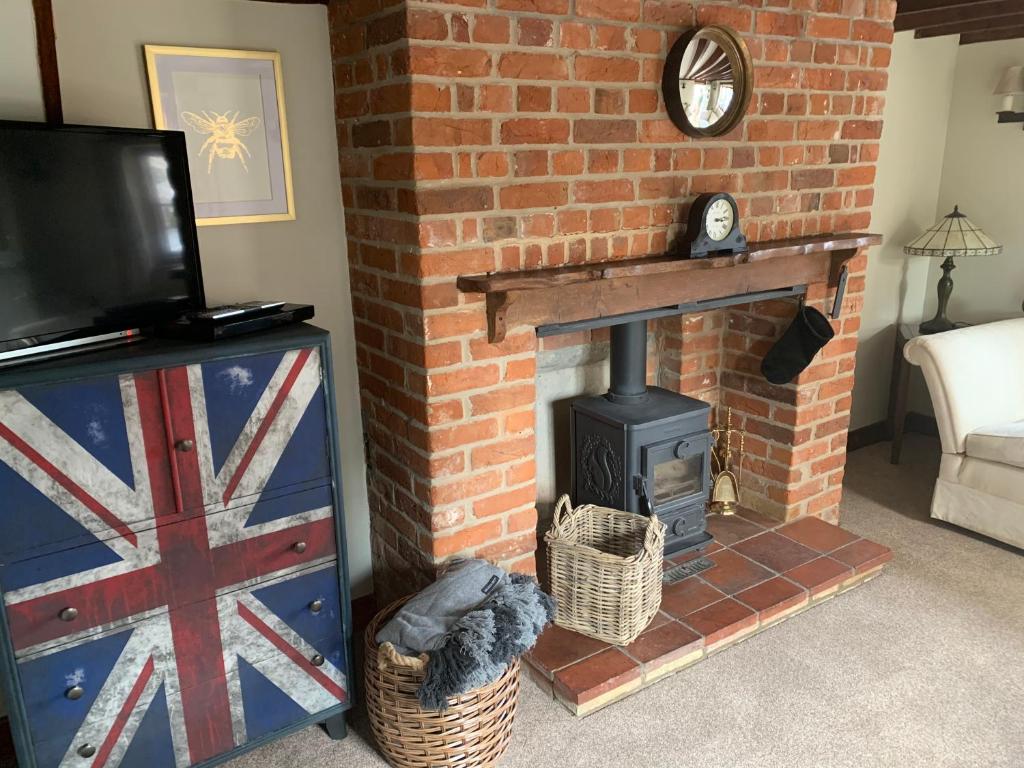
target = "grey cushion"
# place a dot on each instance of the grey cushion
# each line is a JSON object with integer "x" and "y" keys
{"x": 421, "y": 624}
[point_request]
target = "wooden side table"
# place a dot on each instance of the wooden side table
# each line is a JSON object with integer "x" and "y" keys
{"x": 898, "y": 388}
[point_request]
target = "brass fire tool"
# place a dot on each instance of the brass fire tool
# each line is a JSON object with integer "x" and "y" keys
{"x": 725, "y": 488}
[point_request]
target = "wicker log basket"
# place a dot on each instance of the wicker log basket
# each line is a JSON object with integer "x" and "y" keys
{"x": 474, "y": 731}
{"x": 605, "y": 568}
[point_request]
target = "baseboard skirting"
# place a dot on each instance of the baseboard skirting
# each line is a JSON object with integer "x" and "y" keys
{"x": 880, "y": 431}
{"x": 867, "y": 435}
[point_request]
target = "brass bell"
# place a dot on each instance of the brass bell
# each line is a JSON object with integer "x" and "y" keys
{"x": 725, "y": 488}
{"x": 724, "y": 494}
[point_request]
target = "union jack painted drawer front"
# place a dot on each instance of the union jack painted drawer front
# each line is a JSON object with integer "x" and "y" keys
{"x": 169, "y": 560}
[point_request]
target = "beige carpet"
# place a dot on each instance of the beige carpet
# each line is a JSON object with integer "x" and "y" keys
{"x": 923, "y": 666}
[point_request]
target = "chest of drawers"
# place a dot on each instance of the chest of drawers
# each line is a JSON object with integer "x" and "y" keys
{"x": 171, "y": 552}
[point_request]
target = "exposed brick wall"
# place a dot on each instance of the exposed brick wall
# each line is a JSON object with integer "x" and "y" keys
{"x": 506, "y": 134}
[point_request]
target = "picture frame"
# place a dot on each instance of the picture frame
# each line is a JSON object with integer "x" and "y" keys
{"x": 230, "y": 105}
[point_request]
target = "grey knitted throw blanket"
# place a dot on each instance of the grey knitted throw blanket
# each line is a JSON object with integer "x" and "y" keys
{"x": 470, "y": 641}
{"x": 480, "y": 646}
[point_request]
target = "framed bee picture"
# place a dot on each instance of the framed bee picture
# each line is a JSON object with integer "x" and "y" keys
{"x": 230, "y": 105}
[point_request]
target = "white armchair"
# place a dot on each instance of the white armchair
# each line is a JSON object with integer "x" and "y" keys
{"x": 976, "y": 380}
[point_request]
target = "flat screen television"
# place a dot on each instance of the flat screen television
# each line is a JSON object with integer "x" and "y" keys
{"x": 97, "y": 235}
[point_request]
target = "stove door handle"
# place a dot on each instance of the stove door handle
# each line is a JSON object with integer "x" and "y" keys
{"x": 640, "y": 485}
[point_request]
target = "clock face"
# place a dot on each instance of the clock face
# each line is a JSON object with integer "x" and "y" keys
{"x": 719, "y": 219}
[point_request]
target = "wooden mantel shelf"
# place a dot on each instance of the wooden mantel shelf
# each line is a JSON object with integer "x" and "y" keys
{"x": 561, "y": 295}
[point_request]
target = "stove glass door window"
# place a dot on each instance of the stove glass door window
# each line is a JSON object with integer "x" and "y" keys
{"x": 677, "y": 471}
{"x": 677, "y": 478}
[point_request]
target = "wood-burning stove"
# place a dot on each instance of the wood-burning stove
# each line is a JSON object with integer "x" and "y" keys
{"x": 643, "y": 449}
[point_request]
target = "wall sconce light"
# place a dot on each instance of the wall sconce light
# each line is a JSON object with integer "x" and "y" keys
{"x": 1010, "y": 85}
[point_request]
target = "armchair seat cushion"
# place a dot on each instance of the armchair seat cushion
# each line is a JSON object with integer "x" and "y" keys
{"x": 1003, "y": 443}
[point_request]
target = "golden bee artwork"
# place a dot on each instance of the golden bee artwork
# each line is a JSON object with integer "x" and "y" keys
{"x": 230, "y": 106}
{"x": 225, "y": 132}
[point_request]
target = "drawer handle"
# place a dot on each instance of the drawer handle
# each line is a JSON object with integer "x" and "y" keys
{"x": 299, "y": 546}
{"x": 68, "y": 614}
{"x": 185, "y": 445}
{"x": 86, "y": 750}
{"x": 74, "y": 693}
{"x": 316, "y": 606}
{"x": 317, "y": 661}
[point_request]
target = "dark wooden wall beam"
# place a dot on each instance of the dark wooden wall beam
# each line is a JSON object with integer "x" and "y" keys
{"x": 1007, "y": 33}
{"x": 977, "y": 25}
{"x": 990, "y": 9}
{"x": 914, "y": 6}
{"x": 46, "y": 46}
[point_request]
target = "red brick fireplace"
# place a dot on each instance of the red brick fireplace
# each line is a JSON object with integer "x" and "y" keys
{"x": 500, "y": 135}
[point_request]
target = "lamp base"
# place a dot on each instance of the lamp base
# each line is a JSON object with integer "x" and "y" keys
{"x": 936, "y": 325}
{"x": 940, "y": 322}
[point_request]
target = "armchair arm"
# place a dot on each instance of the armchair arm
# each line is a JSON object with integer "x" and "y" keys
{"x": 975, "y": 377}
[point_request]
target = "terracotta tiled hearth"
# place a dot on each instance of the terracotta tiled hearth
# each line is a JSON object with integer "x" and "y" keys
{"x": 497, "y": 135}
{"x": 763, "y": 573}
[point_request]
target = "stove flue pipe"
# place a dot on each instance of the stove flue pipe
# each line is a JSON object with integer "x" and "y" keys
{"x": 628, "y": 363}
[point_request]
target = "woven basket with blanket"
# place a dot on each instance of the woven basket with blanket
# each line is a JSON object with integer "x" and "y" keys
{"x": 442, "y": 668}
{"x": 474, "y": 730}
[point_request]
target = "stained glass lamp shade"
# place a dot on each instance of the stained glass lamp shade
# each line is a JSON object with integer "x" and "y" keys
{"x": 954, "y": 235}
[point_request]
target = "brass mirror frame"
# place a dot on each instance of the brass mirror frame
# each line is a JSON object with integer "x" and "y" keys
{"x": 743, "y": 81}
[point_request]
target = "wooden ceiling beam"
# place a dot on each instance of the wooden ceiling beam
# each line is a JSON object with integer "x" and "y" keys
{"x": 1006, "y": 33}
{"x": 916, "y": 6}
{"x": 952, "y": 14}
{"x": 978, "y": 25}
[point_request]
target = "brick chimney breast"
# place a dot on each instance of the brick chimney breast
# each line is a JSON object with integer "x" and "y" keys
{"x": 493, "y": 135}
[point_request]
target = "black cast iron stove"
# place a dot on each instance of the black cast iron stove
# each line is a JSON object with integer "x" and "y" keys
{"x": 643, "y": 449}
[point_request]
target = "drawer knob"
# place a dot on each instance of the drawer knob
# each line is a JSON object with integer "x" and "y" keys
{"x": 74, "y": 692}
{"x": 299, "y": 546}
{"x": 68, "y": 614}
{"x": 317, "y": 661}
{"x": 185, "y": 445}
{"x": 86, "y": 750}
{"x": 316, "y": 606}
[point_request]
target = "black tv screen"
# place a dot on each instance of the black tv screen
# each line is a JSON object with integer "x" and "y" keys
{"x": 97, "y": 232}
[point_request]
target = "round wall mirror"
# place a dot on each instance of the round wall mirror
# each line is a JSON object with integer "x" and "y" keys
{"x": 707, "y": 81}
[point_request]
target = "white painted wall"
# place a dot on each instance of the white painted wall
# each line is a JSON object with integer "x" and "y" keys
{"x": 99, "y": 51}
{"x": 983, "y": 173}
{"x": 941, "y": 146}
{"x": 914, "y": 138}
{"x": 21, "y": 95}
